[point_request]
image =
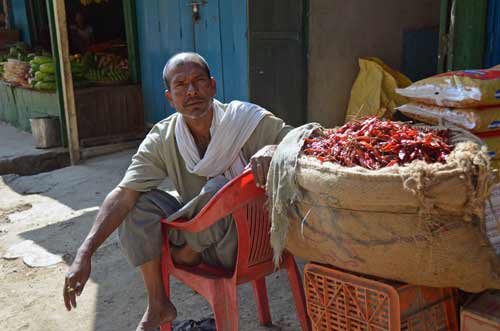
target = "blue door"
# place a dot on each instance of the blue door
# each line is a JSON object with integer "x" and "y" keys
{"x": 214, "y": 28}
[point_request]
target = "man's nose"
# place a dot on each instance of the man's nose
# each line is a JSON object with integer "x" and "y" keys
{"x": 192, "y": 88}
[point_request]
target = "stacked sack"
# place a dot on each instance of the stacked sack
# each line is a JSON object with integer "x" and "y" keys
{"x": 469, "y": 99}
{"x": 16, "y": 72}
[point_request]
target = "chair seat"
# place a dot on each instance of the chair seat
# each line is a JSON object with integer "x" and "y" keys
{"x": 205, "y": 270}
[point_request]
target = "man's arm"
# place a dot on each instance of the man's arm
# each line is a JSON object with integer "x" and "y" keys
{"x": 261, "y": 145}
{"x": 113, "y": 211}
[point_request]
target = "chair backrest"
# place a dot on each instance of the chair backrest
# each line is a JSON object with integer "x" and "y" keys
{"x": 260, "y": 225}
{"x": 253, "y": 226}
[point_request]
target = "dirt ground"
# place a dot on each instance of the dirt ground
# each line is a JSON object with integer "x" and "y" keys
{"x": 55, "y": 210}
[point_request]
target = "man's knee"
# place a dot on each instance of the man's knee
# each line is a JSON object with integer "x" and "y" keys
{"x": 157, "y": 202}
{"x": 214, "y": 185}
{"x": 140, "y": 233}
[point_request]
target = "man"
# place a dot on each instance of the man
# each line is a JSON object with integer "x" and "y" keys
{"x": 199, "y": 149}
{"x": 81, "y": 34}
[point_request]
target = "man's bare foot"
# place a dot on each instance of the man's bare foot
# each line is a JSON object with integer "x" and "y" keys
{"x": 157, "y": 315}
{"x": 185, "y": 255}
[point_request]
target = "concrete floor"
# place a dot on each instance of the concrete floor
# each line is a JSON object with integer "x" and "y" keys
{"x": 19, "y": 155}
{"x": 16, "y": 143}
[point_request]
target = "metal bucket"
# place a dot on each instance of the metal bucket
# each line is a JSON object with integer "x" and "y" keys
{"x": 46, "y": 131}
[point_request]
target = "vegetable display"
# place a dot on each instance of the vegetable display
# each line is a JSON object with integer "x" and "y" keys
{"x": 42, "y": 73}
{"x": 106, "y": 67}
{"x": 374, "y": 143}
{"x": 37, "y": 70}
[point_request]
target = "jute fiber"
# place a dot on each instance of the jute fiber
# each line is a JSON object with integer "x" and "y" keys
{"x": 421, "y": 223}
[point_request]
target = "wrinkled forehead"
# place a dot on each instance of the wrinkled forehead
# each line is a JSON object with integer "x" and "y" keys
{"x": 185, "y": 69}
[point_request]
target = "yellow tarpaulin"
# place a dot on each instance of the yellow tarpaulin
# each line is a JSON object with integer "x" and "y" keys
{"x": 373, "y": 92}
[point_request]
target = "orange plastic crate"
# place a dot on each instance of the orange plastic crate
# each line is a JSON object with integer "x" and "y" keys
{"x": 341, "y": 301}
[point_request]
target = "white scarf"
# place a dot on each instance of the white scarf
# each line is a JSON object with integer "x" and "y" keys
{"x": 230, "y": 130}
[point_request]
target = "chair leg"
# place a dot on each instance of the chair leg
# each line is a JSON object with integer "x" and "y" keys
{"x": 166, "y": 286}
{"x": 297, "y": 291}
{"x": 260, "y": 293}
{"x": 225, "y": 306}
{"x": 166, "y": 327}
{"x": 451, "y": 309}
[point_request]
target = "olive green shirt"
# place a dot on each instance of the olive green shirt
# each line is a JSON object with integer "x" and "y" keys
{"x": 158, "y": 157}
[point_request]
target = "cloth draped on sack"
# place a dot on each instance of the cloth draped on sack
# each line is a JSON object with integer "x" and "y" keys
{"x": 229, "y": 132}
{"x": 282, "y": 188}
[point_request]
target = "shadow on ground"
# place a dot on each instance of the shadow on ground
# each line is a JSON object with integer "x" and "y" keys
{"x": 119, "y": 295}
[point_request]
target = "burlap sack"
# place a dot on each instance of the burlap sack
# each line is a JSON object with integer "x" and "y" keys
{"x": 421, "y": 224}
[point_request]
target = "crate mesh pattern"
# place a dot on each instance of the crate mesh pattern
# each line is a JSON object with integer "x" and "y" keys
{"x": 340, "y": 301}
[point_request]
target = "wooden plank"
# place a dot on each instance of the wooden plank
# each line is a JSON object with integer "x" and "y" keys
{"x": 89, "y": 152}
{"x": 492, "y": 56}
{"x": 108, "y": 110}
{"x": 8, "y": 111}
{"x": 233, "y": 29}
{"x": 86, "y": 111}
{"x": 55, "y": 56}
{"x": 22, "y": 109}
{"x": 176, "y": 35}
{"x": 6, "y": 10}
{"x": 469, "y": 35}
{"x": 443, "y": 35}
{"x": 277, "y": 35}
{"x": 67, "y": 80}
{"x": 112, "y": 139}
{"x": 150, "y": 49}
{"x": 207, "y": 32}
{"x": 277, "y": 67}
{"x": 451, "y": 36}
{"x": 164, "y": 28}
{"x": 130, "y": 17}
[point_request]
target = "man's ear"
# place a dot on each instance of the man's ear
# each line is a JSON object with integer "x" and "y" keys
{"x": 213, "y": 84}
{"x": 168, "y": 96}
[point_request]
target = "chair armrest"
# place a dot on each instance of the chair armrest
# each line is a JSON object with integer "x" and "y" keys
{"x": 238, "y": 192}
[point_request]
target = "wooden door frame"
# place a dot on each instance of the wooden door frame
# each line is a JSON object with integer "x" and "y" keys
{"x": 462, "y": 34}
{"x": 130, "y": 18}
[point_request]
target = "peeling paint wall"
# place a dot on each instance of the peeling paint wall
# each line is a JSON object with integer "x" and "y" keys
{"x": 342, "y": 31}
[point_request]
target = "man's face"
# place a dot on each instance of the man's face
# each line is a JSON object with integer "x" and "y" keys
{"x": 79, "y": 20}
{"x": 191, "y": 90}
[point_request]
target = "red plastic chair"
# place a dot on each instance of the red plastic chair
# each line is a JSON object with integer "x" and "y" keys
{"x": 245, "y": 202}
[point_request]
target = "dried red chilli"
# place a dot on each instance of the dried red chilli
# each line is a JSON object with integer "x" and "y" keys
{"x": 374, "y": 143}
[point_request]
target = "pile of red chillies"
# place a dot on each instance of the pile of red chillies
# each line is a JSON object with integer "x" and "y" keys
{"x": 374, "y": 143}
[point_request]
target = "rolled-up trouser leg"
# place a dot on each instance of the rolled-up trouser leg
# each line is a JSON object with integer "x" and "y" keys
{"x": 140, "y": 233}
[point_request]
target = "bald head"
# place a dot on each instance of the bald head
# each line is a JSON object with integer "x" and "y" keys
{"x": 181, "y": 59}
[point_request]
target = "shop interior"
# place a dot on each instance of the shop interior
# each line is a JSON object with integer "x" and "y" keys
{"x": 108, "y": 100}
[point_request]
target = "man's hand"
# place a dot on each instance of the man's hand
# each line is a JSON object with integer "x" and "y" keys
{"x": 76, "y": 278}
{"x": 260, "y": 163}
{"x": 113, "y": 211}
